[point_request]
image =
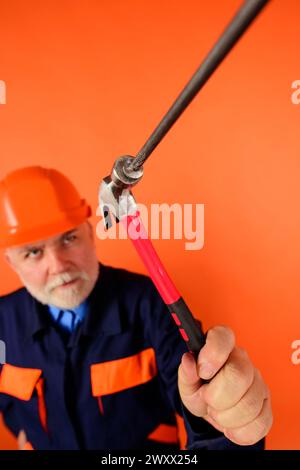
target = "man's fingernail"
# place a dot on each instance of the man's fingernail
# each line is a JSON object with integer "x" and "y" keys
{"x": 206, "y": 371}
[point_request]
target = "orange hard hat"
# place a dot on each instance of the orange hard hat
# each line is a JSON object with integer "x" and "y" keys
{"x": 37, "y": 203}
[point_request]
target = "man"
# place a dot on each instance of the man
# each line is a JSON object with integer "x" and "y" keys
{"x": 94, "y": 360}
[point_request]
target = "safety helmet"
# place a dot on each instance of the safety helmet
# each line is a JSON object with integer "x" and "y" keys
{"x": 37, "y": 203}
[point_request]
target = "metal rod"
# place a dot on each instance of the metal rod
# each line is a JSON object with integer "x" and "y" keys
{"x": 243, "y": 18}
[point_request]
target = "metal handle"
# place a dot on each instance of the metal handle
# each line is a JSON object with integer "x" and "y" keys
{"x": 238, "y": 25}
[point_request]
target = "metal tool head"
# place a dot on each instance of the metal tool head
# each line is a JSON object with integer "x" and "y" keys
{"x": 114, "y": 192}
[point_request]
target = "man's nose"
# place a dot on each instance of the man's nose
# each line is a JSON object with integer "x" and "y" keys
{"x": 57, "y": 262}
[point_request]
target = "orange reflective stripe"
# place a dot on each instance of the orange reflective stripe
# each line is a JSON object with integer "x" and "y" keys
{"x": 182, "y": 434}
{"x": 41, "y": 403}
{"x": 165, "y": 433}
{"x": 120, "y": 374}
{"x": 19, "y": 382}
{"x": 27, "y": 446}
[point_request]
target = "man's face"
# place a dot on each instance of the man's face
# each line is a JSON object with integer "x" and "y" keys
{"x": 61, "y": 270}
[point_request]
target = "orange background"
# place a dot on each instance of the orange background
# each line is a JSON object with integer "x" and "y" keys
{"x": 88, "y": 81}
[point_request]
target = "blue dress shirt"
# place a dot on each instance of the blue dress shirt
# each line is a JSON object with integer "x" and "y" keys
{"x": 68, "y": 319}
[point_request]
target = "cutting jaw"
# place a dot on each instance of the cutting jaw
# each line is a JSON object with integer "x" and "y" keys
{"x": 115, "y": 196}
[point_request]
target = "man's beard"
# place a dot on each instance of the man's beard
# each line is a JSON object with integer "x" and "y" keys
{"x": 66, "y": 297}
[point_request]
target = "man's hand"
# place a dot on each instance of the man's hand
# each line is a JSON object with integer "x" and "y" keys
{"x": 236, "y": 401}
{"x": 21, "y": 440}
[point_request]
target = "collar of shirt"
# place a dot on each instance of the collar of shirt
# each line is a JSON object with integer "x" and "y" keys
{"x": 80, "y": 311}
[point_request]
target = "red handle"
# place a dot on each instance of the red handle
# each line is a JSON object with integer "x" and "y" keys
{"x": 189, "y": 329}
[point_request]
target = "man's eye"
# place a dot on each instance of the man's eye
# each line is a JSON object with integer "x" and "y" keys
{"x": 70, "y": 238}
{"x": 33, "y": 253}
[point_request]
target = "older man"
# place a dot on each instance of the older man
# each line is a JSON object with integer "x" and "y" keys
{"x": 94, "y": 360}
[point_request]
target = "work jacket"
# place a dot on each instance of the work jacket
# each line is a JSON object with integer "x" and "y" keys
{"x": 111, "y": 384}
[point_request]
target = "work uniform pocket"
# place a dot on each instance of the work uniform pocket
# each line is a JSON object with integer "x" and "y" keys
{"x": 120, "y": 374}
{"x": 21, "y": 383}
